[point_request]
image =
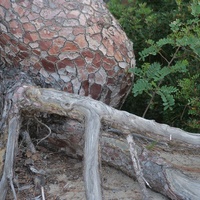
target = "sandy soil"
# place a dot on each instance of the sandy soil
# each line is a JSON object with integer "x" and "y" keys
{"x": 61, "y": 178}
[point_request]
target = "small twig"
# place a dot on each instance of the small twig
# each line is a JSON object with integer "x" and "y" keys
{"x": 174, "y": 55}
{"x": 183, "y": 111}
{"x": 44, "y": 138}
{"x": 147, "y": 182}
{"x": 163, "y": 57}
{"x": 42, "y": 192}
{"x": 39, "y": 183}
{"x": 137, "y": 167}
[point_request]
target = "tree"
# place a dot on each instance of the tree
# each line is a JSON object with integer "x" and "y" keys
{"x": 25, "y": 94}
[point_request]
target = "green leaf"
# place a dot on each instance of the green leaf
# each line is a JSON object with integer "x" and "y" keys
{"x": 164, "y": 41}
{"x": 153, "y": 71}
{"x": 141, "y": 86}
{"x": 152, "y": 50}
{"x": 157, "y": 73}
{"x": 166, "y": 94}
{"x": 180, "y": 66}
{"x": 175, "y": 25}
{"x": 195, "y": 8}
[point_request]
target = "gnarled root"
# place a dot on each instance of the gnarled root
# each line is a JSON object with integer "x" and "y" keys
{"x": 156, "y": 143}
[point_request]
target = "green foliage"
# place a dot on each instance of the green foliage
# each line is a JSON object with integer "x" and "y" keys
{"x": 155, "y": 47}
{"x": 167, "y": 47}
{"x": 137, "y": 19}
{"x": 187, "y": 34}
{"x": 195, "y": 7}
{"x": 166, "y": 93}
{"x": 189, "y": 95}
{"x": 145, "y": 19}
{"x": 151, "y": 77}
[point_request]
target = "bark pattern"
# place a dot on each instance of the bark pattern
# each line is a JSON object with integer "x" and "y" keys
{"x": 74, "y": 46}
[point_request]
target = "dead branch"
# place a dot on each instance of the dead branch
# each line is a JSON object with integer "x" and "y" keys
{"x": 158, "y": 173}
{"x": 13, "y": 134}
{"x": 137, "y": 167}
{"x": 52, "y": 101}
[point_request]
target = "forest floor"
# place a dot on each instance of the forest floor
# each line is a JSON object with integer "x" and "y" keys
{"x": 62, "y": 179}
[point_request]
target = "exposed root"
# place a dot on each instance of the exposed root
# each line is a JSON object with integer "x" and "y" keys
{"x": 13, "y": 189}
{"x": 157, "y": 172}
{"x": 46, "y": 127}
{"x": 137, "y": 167}
{"x": 13, "y": 133}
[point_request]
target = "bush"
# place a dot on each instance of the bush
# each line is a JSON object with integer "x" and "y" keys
{"x": 167, "y": 46}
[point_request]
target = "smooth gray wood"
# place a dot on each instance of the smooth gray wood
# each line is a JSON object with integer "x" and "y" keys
{"x": 158, "y": 173}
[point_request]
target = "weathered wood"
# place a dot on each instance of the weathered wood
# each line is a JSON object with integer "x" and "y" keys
{"x": 52, "y": 100}
{"x": 28, "y": 141}
{"x": 91, "y": 157}
{"x": 158, "y": 172}
{"x": 137, "y": 167}
{"x": 12, "y": 143}
{"x": 58, "y": 102}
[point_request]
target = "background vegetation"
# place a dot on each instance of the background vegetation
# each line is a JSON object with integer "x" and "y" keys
{"x": 166, "y": 37}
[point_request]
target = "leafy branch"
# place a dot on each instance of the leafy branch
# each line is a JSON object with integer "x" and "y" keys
{"x": 153, "y": 78}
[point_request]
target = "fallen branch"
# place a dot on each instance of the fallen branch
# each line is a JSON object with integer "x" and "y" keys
{"x": 13, "y": 134}
{"x": 158, "y": 173}
{"x": 137, "y": 167}
{"x": 52, "y": 101}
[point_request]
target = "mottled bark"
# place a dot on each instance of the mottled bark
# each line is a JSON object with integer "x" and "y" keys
{"x": 75, "y": 46}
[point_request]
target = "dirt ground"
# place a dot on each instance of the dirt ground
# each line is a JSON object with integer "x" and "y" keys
{"x": 61, "y": 178}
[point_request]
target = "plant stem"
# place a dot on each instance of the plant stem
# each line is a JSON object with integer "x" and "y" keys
{"x": 154, "y": 93}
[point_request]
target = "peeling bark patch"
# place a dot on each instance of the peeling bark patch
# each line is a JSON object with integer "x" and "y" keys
{"x": 45, "y": 44}
{"x": 49, "y": 66}
{"x": 6, "y": 4}
{"x": 85, "y": 86}
{"x": 64, "y": 63}
{"x": 95, "y": 90}
{"x": 69, "y": 46}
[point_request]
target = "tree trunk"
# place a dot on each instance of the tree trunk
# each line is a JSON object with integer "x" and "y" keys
{"x": 78, "y": 47}
{"x": 161, "y": 149}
